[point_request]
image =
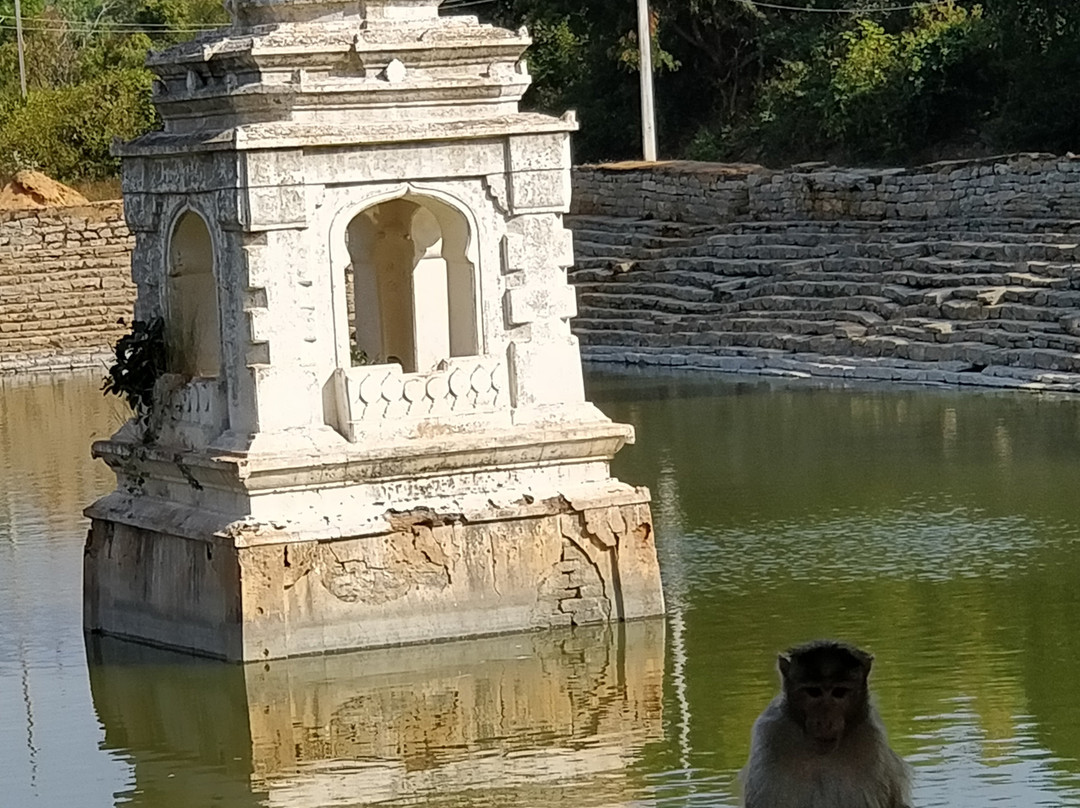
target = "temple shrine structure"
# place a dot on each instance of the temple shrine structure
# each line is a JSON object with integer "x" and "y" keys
{"x": 372, "y": 430}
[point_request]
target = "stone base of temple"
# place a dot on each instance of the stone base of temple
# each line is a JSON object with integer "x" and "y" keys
{"x": 242, "y": 592}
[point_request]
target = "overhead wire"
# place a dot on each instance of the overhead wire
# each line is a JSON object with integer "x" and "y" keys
{"x": 59, "y": 25}
{"x": 811, "y": 9}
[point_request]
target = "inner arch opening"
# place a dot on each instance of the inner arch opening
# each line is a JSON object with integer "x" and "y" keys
{"x": 193, "y": 324}
{"x": 411, "y": 287}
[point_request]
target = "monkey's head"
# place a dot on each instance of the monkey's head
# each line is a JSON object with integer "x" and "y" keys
{"x": 825, "y": 690}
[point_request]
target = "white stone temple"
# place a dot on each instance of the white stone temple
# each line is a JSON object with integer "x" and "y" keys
{"x": 373, "y": 429}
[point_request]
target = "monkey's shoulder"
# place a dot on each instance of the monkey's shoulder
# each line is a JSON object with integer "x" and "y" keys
{"x": 774, "y": 734}
{"x": 785, "y": 772}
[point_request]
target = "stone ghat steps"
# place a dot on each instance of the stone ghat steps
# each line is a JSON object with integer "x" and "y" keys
{"x": 833, "y": 367}
{"x": 856, "y": 323}
{"x": 986, "y": 304}
{"x": 748, "y": 329}
{"x": 704, "y": 270}
{"x": 989, "y": 293}
{"x": 983, "y": 229}
{"x": 995, "y": 239}
{"x": 785, "y": 248}
{"x": 972, "y": 356}
{"x": 995, "y": 294}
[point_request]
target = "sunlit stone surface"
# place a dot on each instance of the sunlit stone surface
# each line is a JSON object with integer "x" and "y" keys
{"x": 373, "y": 430}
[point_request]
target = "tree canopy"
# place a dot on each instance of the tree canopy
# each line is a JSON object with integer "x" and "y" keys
{"x": 771, "y": 82}
{"x": 86, "y": 80}
{"x": 743, "y": 80}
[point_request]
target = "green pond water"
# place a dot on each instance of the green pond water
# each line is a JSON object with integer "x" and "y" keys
{"x": 939, "y": 529}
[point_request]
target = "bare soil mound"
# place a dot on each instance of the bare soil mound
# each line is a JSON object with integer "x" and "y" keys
{"x": 32, "y": 189}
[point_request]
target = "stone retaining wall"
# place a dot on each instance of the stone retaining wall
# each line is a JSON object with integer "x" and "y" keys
{"x": 958, "y": 273}
{"x": 65, "y": 286}
{"x": 1022, "y": 186}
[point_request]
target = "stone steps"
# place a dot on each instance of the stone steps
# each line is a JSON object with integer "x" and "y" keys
{"x": 1007, "y": 229}
{"x": 912, "y": 230}
{"x": 737, "y": 274}
{"x": 784, "y": 249}
{"x": 976, "y": 354}
{"x": 642, "y": 303}
{"x": 846, "y": 368}
{"x": 954, "y": 302}
{"x": 979, "y": 293}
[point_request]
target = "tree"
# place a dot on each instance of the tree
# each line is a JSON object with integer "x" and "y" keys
{"x": 87, "y": 81}
{"x": 67, "y": 131}
{"x": 1036, "y": 43}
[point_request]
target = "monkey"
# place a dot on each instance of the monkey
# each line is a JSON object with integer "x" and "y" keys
{"x": 821, "y": 743}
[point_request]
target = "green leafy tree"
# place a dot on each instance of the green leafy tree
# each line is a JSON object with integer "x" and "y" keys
{"x": 874, "y": 93}
{"x": 584, "y": 57}
{"x": 66, "y": 131}
{"x": 1036, "y": 42}
{"x": 88, "y": 86}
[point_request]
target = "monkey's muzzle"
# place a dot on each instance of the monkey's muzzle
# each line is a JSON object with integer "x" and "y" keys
{"x": 825, "y": 733}
{"x": 823, "y": 745}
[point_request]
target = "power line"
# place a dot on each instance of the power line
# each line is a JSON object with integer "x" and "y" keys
{"x": 62, "y": 27}
{"x": 878, "y": 10}
{"x": 55, "y": 24}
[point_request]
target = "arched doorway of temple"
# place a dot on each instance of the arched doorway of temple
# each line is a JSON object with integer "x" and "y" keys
{"x": 193, "y": 323}
{"x": 411, "y": 287}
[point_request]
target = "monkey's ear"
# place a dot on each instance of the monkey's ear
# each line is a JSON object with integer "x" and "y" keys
{"x": 866, "y": 660}
{"x": 783, "y": 663}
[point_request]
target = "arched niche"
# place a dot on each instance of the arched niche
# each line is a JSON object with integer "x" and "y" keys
{"x": 411, "y": 287}
{"x": 193, "y": 325}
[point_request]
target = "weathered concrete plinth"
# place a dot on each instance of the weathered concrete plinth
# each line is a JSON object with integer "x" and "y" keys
{"x": 254, "y": 592}
{"x": 241, "y": 557}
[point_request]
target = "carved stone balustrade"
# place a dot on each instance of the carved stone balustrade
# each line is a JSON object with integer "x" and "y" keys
{"x": 383, "y": 399}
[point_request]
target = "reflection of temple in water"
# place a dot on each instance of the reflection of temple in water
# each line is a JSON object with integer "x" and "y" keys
{"x": 512, "y": 720}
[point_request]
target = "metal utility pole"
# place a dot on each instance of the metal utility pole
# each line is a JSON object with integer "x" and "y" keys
{"x": 19, "y": 40}
{"x": 648, "y": 113}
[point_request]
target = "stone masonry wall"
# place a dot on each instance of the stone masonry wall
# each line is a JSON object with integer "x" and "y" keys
{"x": 955, "y": 273}
{"x": 1022, "y": 186}
{"x": 66, "y": 294}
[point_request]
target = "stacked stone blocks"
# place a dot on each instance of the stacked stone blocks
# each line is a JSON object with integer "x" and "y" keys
{"x": 65, "y": 286}
{"x": 810, "y": 288}
{"x": 1017, "y": 186}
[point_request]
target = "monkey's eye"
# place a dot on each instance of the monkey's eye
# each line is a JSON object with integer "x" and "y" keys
{"x": 813, "y": 692}
{"x": 840, "y": 692}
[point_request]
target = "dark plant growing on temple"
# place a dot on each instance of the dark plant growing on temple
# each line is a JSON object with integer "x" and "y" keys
{"x": 140, "y": 361}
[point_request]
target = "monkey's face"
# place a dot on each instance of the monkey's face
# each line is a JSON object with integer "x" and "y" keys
{"x": 825, "y": 690}
{"x": 827, "y": 709}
